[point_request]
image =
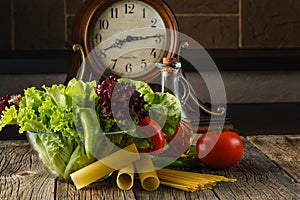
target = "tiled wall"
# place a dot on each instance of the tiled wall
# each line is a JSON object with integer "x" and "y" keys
{"x": 46, "y": 24}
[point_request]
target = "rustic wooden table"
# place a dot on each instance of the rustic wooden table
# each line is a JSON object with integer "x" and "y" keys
{"x": 269, "y": 169}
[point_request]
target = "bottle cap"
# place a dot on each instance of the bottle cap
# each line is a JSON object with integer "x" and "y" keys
{"x": 168, "y": 60}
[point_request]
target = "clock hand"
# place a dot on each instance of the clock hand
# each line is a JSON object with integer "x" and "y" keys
{"x": 135, "y": 38}
{"x": 120, "y": 42}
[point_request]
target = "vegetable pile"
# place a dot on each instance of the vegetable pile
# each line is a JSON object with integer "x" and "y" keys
{"x": 67, "y": 124}
{"x": 72, "y": 126}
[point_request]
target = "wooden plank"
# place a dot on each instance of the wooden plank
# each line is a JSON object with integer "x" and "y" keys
{"x": 283, "y": 150}
{"x": 22, "y": 175}
{"x": 96, "y": 191}
{"x": 257, "y": 178}
{"x": 167, "y": 193}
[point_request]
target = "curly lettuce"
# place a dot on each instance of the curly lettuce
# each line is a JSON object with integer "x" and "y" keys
{"x": 49, "y": 117}
{"x": 165, "y": 108}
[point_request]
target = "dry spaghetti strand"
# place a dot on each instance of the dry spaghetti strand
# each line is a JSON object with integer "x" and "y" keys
{"x": 189, "y": 181}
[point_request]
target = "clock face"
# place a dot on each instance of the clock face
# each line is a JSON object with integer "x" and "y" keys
{"x": 128, "y": 37}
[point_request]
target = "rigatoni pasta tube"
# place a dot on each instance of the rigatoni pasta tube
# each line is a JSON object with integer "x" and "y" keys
{"x": 147, "y": 173}
{"x": 106, "y": 165}
{"x": 125, "y": 177}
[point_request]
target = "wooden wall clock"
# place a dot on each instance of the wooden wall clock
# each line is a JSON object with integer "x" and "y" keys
{"x": 121, "y": 26}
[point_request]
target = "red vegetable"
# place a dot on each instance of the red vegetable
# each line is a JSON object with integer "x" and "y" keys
{"x": 221, "y": 150}
{"x": 7, "y": 101}
{"x": 154, "y": 131}
{"x": 3, "y": 103}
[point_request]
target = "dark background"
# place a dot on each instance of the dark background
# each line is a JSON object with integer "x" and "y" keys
{"x": 254, "y": 43}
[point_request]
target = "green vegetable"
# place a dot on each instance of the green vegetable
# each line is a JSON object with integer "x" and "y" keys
{"x": 9, "y": 118}
{"x": 189, "y": 161}
{"x": 141, "y": 87}
{"x": 164, "y": 108}
{"x": 59, "y": 154}
{"x": 62, "y": 123}
{"x": 107, "y": 125}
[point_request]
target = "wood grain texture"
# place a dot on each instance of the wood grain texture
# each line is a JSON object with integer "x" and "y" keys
{"x": 22, "y": 175}
{"x": 259, "y": 176}
{"x": 283, "y": 150}
{"x": 168, "y": 193}
{"x": 96, "y": 191}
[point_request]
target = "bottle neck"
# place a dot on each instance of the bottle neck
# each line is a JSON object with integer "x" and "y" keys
{"x": 170, "y": 77}
{"x": 170, "y": 81}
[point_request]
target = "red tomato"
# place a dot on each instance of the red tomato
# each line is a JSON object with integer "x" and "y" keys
{"x": 220, "y": 150}
{"x": 154, "y": 131}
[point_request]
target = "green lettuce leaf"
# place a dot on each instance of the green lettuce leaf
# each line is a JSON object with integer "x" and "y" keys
{"x": 28, "y": 118}
{"x": 140, "y": 86}
{"x": 53, "y": 149}
{"x": 9, "y": 117}
{"x": 50, "y": 116}
{"x": 78, "y": 160}
{"x": 108, "y": 124}
{"x": 164, "y": 108}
